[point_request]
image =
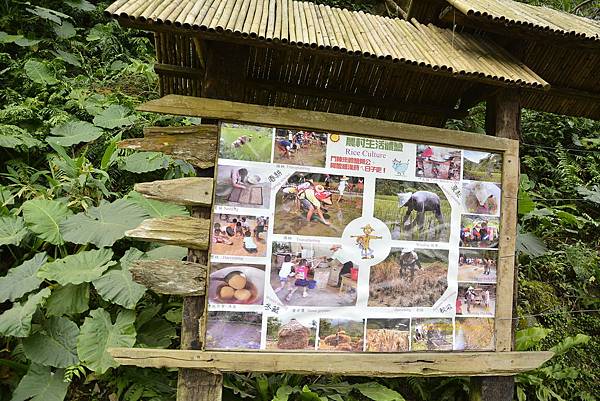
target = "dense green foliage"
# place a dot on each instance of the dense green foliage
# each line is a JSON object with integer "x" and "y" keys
{"x": 69, "y": 81}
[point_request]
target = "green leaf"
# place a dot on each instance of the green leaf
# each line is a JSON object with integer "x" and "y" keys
{"x": 56, "y": 345}
{"x": 98, "y": 333}
{"x": 65, "y": 30}
{"x": 103, "y": 225}
{"x": 24, "y": 42}
{"x": 527, "y": 338}
{"x": 82, "y": 5}
{"x": 529, "y": 244}
{"x": 378, "y": 392}
{"x": 39, "y": 73}
{"x": 68, "y": 300}
{"x": 12, "y": 137}
{"x": 589, "y": 195}
{"x": 41, "y": 384}
{"x": 12, "y": 230}
{"x": 43, "y": 218}
{"x": 16, "y": 321}
{"x": 521, "y": 396}
{"x": 156, "y": 208}
{"x": 80, "y": 268}
{"x": 67, "y": 57}
{"x": 118, "y": 287}
{"x": 6, "y": 38}
{"x": 569, "y": 343}
{"x": 21, "y": 279}
{"x": 156, "y": 333}
{"x": 74, "y": 132}
{"x": 143, "y": 162}
{"x": 115, "y": 116}
{"x": 283, "y": 393}
{"x": 167, "y": 252}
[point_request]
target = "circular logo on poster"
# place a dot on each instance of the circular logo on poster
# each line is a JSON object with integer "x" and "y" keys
{"x": 367, "y": 241}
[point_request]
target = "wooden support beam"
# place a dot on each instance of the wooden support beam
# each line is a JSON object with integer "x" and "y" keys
{"x": 178, "y": 71}
{"x": 189, "y": 191}
{"x": 189, "y": 232}
{"x": 172, "y": 277}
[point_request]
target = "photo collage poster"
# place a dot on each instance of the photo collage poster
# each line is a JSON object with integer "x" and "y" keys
{"x": 329, "y": 242}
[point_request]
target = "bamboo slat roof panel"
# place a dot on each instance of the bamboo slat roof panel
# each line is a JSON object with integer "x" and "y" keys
{"x": 322, "y": 27}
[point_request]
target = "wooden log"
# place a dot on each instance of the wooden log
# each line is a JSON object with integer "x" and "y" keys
{"x": 173, "y": 277}
{"x": 189, "y": 191}
{"x": 189, "y": 232}
{"x": 349, "y": 364}
{"x": 493, "y": 388}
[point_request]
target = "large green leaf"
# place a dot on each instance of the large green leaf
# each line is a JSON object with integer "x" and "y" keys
{"x": 12, "y": 230}
{"x": 74, "y": 132}
{"x": 378, "y": 392}
{"x": 156, "y": 333}
{"x": 43, "y": 218}
{"x": 82, "y": 5}
{"x": 156, "y": 208}
{"x": 68, "y": 300}
{"x": 21, "y": 279}
{"x": 70, "y": 58}
{"x": 48, "y": 14}
{"x": 16, "y": 321}
{"x": 56, "y": 345}
{"x": 82, "y": 267}
{"x": 41, "y": 384}
{"x": 39, "y": 73}
{"x": 103, "y": 225}
{"x": 529, "y": 244}
{"x": 118, "y": 287}
{"x": 167, "y": 252}
{"x": 143, "y": 162}
{"x": 98, "y": 333}
{"x": 65, "y": 30}
{"x": 12, "y": 137}
{"x": 115, "y": 116}
{"x": 527, "y": 338}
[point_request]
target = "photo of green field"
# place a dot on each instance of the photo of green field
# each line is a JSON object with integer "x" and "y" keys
{"x": 246, "y": 142}
{"x": 482, "y": 166}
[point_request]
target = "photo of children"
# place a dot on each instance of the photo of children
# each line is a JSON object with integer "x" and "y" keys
{"x": 413, "y": 211}
{"x": 300, "y": 147}
{"x": 236, "y": 235}
{"x": 388, "y": 335}
{"x": 431, "y": 334}
{"x": 316, "y": 204}
{"x": 482, "y": 166}
{"x": 233, "y": 330}
{"x": 312, "y": 275}
{"x": 245, "y": 142}
{"x": 243, "y": 186}
{"x": 291, "y": 333}
{"x": 437, "y": 162}
{"x": 474, "y": 334}
{"x": 236, "y": 284}
{"x": 479, "y": 231}
{"x": 477, "y": 266}
{"x": 481, "y": 198}
{"x": 341, "y": 335}
{"x": 476, "y": 299}
{"x": 409, "y": 278}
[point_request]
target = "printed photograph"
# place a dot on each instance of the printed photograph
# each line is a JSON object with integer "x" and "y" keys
{"x": 236, "y": 235}
{"x": 233, "y": 330}
{"x": 481, "y": 198}
{"x": 437, "y": 162}
{"x": 341, "y": 335}
{"x": 431, "y": 334}
{"x": 482, "y": 166}
{"x": 388, "y": 335}
{"x": 300, "y": 147}
{"x": 291, "y": 333}
{"x": 313, "y": 274}
{"x": 479, "y": 231}
{"x": 243, "y": 186}
{"x": 474, "y": 334}
{"x": 477, "y": 265}
{"x": 245, "y": 142}
{"x": 236, "y": 284}
{"x": 476, "y": 299}
{"x": 319, "y": 205}
{"x": 413, "y": 211}
{"x": 408, "y": 278}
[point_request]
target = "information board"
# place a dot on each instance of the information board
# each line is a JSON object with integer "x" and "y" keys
{"x": 323, "y": 241}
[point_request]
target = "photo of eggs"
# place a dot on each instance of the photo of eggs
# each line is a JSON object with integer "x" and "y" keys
{"x": 236, "y": 284}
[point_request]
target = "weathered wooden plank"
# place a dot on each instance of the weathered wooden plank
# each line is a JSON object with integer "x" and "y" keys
{"x": 188, "y": 232}
{"x": 173, "y": 277}
{"x": 350, "y": 364}
{"x": 285, "y": 117}
{"x": 189, "y": 191}
{"x": 204, "y": 130}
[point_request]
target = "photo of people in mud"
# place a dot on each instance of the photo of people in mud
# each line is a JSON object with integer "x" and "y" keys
{"x": 476, "y": 299}
{"x": 481, "y": 198}
{"x": 477, "y": 265}
{"x": 300, "y": 147}
{"x": 479, "y": 231}
{"x": 482, "y": 166}
{"x": 243, "y": 186}
{"x": 236, "y": 235}
{"x": 246, "y": 142}
{"x": 345, "y": 335}
{"x": 388, "y": 335}
{"x": 431, "y": 334}
{"x": 315, "y": 204}
{"x": 437, "y": 162}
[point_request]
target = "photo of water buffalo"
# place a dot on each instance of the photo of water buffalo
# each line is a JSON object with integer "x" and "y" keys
{"x": 479, "y": 231}
{"x": 431, "y": 334}
{"x": 413, "y": 211}
{"x": 408, "y": 278}
{"x": 233, "y": 330}
{"x": 388, "y": 335}
{"x": 245, "y": 142}
{"x": 477, "y": 265}
{"x": 482, "y": 166}
{"x": 476, "y": 299}
{"x": 481, "y": 198}
{"x": 341, "y": 335}
{"x": 474, "y": 334}
{"x": 291, "y": 333}
{"x": 246, "y": 186}
{"x": 300, "y": 147}
{"x": 315, "y": 204}
{"x": 437, "y": 162}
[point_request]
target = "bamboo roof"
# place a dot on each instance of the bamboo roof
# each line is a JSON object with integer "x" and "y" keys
{"x": 320, "y": 27}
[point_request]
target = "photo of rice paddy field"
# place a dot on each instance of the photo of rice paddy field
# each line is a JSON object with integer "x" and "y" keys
{"x": 246, "y": 142}
{"x": 482, "y": 166}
